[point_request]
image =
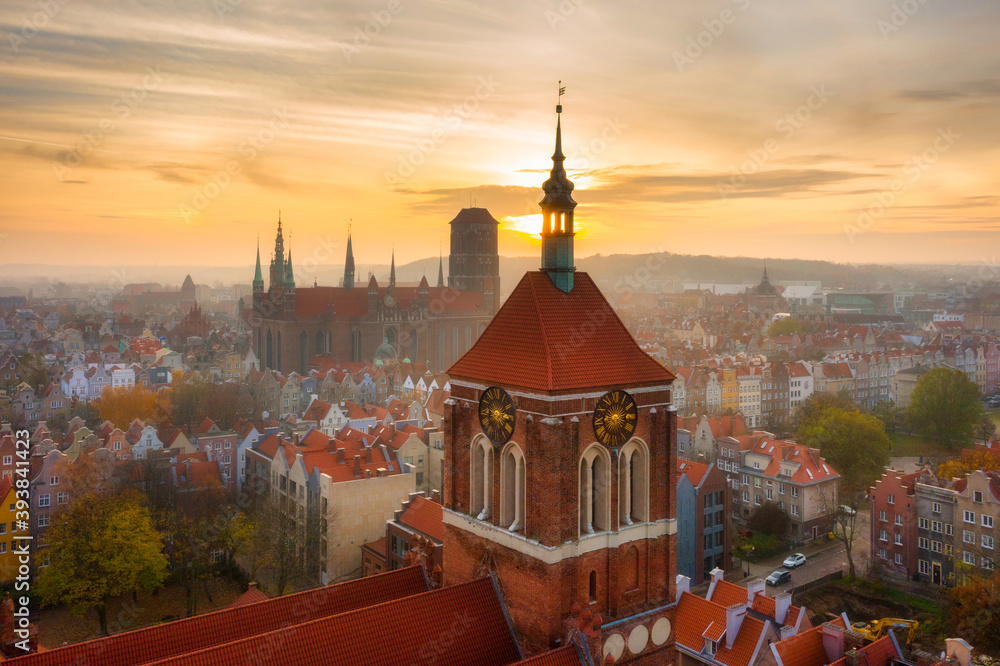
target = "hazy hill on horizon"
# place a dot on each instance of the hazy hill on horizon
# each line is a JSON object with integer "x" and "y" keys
{"x": 18, "y": 278}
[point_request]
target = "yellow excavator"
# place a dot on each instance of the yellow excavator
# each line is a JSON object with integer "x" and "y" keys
{"x": 872, "y": 631}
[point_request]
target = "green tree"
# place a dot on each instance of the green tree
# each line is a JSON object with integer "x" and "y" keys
{"x": 786, "y": 326}
{"x": 945, "y": 408}
{"x": 812, "y": 408}
{"x": 101, "y": 546}
{"x": 188, "y": 394}
{"x": 856, "y": 446}
{"x": 770, "y": 519}
{"x": 31, "y": 368}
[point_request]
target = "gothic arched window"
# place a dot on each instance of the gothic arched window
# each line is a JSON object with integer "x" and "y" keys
{"x": 512, "y": 474}
{"x": 633, "y": 483}
{"x": 595, "y": 496}
{"x": 481, "y": 479}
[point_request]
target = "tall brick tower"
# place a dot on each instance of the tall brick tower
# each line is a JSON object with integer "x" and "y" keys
{"x": 560, "y": 462}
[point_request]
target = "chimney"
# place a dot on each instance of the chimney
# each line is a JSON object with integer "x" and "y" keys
{"x": 957, "y": 648}
{"x": 368, "y": 474}
{"x": 716, "y": 575}
{"x": 252, "y": 583}
{"x": 852, "y": 657}
{"x": 753, "y": 587}
{"x": 833, "y": 642}
{"x": 295, "y": 439}
{"x": 781, "y": 604}
{"x": 357, "y": 466}
{"x": 683, "y": 585}
{"x": 734, "y": 620}
{"x": 853, "y": 639}
{"x": 435, "y": 495}
{"x": 340, "y": 456}
{"x": 368, "y": 455}
{"x": 785, "y": 632}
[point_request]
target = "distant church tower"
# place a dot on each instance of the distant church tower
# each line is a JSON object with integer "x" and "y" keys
{"x": 349, "y": 263}
{"x": 560, "y": 461}
{"x": 474, "y": 255}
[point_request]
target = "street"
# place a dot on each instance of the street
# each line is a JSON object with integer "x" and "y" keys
{"x": 822, "y": 559}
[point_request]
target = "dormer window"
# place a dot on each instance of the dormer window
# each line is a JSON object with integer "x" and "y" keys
{"x": 710, "y": 646}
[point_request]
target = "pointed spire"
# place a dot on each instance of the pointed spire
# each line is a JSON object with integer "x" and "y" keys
{"x": 440, "y": 270}
{"x": 349, "y": 262}
{"x": 392, "y": 269}
{"x": 557, "y": 216}
{"x": 258, "y": 277}
{"x": 289, "y": 276}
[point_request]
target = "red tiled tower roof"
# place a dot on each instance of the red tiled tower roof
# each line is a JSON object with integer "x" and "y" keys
{"x": 235, "y": 624}
{"x": 553, "y": 341}
{"x": 459, "y": 625}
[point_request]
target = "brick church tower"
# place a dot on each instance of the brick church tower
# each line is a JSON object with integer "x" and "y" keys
{"x": 560, "y": 461}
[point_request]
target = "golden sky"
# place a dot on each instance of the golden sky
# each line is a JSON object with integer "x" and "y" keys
{"x": 140, "y": 132}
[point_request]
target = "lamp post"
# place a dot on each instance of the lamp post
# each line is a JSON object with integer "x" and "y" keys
{"x": 749, "y": 556}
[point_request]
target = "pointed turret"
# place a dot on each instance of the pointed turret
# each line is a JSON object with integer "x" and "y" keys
{"x": 440, "y": 271}
{"x": 392, "y": 271}
{"x": 349, "y": 262}
{"x": 258, "y": 277}
{"x": 557, "y": 218}
{"x": 289, "y": 276}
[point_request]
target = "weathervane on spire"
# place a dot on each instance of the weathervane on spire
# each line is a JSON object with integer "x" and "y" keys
{"x": 562, "y": 91}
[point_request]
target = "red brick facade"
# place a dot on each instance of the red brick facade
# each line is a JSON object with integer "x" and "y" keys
{"x": 631, "y": 577}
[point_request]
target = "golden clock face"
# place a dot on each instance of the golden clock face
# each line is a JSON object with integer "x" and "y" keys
{"x": 615, "y": 418}
{"x": 496, "y": 414}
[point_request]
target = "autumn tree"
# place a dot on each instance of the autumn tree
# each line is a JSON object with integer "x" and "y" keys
{"x": 856, "y": 446}
{"x": 945, "y": 407}
{"x": 974, "y": 611}
{"x": 100, "y": 547}
{"x": 122, "y": 404}
{"x": 227, "y": 403}
{"x": 786, "y": 326}
{"x": 978, "y": 457}
{"x": 987, "y": 428}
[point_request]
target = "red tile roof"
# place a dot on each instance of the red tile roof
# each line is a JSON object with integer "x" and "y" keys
{"x": 743, "y": 647}
{"x": 253, "y": 595}
{"x": 233, "y": 624}
{"x": 460, "y": 625}
{"x": 805, "y": 648}
{"x": 425, "y": 516}
{"x": 763, "y": 604}
{"x": 694, "y": 471}
{"x": 726, "y": 594}
{"x": 567, "y": 655}
{"x": 548, "y": 340}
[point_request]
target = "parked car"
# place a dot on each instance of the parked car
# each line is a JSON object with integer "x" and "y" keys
{"x": 994, "y": 402}
{"x": 846, "y": 509}
{"x": 794, "y": 560}
{"x": 779, "y": 577}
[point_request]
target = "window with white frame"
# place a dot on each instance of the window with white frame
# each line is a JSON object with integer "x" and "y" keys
{"x": 923, "y": 523}
{"x": 936, "y": 507}
{"x": 968, "y": 557}
{"x": 969, "y": 517}
{"x": 899, "y": 539}
{"x": 936, "y": 546}
{"x": 925, "y": 567}
{"x": 899, "y": 519}
{"x": 44, "y": 500}
{"x": 891, "y": 499}
{"x": 949, "y": 529}
{"x": 987, "y": 521}
{"x": 924, "y": 543}
{"x": 935, "y": 525}
{"x": 986, "y": 541}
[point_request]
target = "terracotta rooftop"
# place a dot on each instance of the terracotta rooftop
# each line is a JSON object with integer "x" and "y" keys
{"x": 233, "y": 624}
{"x": 425, "y": 516}
{"x": 548, "y": 340}
{"x": 470, "y": 615}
